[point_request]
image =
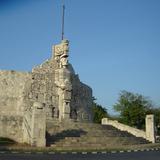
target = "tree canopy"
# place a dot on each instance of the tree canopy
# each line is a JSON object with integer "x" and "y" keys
{"x": 99, "y": 112}
{"x": 133, "y": 109}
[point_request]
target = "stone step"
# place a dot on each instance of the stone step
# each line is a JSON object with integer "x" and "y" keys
{"x": 90, "y": 135}
{"x": 87, "y": 144}
{"x": 95, "y": 140}
{"x": 86, "y": 138}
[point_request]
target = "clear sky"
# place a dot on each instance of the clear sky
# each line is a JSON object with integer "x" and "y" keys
{"x": 114, "y": 44}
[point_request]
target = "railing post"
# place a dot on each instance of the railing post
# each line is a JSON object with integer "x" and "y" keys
{"x": 150, "y": 128}
{"x": 38, "y": 125}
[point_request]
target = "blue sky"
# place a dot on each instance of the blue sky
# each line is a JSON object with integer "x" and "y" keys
{"x": 114, "y": 44}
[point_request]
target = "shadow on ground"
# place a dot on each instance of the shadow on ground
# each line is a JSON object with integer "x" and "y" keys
{"x": 51, "y": 139}
{"x": 5, "y": 143}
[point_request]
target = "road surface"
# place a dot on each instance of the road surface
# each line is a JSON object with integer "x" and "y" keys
{"x": 139, "y": 155}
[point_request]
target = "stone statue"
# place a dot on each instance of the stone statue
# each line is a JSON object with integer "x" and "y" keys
{"x": 63, "y": 79}
{"x": 61, "y": 53}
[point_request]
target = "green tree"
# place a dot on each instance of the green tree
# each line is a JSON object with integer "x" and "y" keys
{"x": 133, "y": 109}
{"x": 99, "y": 113}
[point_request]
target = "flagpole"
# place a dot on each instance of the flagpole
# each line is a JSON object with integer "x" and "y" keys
{"x": 63, "y": 14}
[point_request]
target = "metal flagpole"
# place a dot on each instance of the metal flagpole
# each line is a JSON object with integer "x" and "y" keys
{"x": 63, "y": 14}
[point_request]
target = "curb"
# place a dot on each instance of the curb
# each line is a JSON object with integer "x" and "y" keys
{"x": 82, "y": 152}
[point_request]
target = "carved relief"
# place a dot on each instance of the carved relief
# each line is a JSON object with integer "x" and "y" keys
{"x": 61, "y": 53}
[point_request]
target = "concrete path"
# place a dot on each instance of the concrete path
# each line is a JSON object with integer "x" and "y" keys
{"x": 129, "y": 155}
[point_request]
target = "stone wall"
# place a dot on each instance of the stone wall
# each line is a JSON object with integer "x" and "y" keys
{"x": 12, "y": 92}
{"x": 81, "y": 102}
{"x": 44, "y": 89}
{"x": 81, "y": 94}
{"x": 11, "y": 127}
{"x": 53, "y": 84}
{"x": 148, "y": 134}
{"x": 47, "y": 91}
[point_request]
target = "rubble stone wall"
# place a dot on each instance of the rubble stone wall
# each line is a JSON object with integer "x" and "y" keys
{"x": 54, "y": 85}
{"x": 45, "y": 88}
{"x": 11, "y": 127}
{"x": 81, "y": 102}
{"x": 12, "y": 92}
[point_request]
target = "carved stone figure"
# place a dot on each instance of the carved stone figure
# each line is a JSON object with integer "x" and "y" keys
{"x": 61, "y": 53}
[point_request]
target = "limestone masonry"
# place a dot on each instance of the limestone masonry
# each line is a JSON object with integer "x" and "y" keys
{"x": 51, "y": 92}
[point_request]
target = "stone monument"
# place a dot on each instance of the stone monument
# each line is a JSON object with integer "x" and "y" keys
{"x": 63, "y": 79}
{"x": 50, "y": 92}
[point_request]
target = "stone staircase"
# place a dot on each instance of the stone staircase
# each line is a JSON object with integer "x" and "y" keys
{"x": 88, "y": 136}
